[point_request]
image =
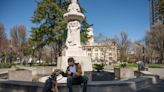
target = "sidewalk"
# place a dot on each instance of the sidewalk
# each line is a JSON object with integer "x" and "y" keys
{"x": 6, "y": 70}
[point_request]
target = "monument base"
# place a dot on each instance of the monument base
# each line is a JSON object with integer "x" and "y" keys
{"x": 74, "y": 51}
{"x": 84, "y": 61}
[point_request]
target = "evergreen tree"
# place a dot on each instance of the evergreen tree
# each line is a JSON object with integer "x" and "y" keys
{"x": 51, "y": 28}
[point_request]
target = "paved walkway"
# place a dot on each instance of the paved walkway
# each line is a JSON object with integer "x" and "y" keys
{"x": 158, "y": 71}
{"x": 6, "y": 70}
{"x": 154, "y": 88}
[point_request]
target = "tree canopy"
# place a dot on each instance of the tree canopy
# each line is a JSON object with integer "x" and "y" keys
{"x": 51, "y": 27}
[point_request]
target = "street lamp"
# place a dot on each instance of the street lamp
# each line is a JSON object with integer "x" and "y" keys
{"x": 143, "y": 54}
{"x": 33, "y": 48}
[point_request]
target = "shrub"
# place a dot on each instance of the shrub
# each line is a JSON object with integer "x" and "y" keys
{"x": 20, "y": 69}
{"x": 5, "y": 65}
{"x": 123, "y": 65}
{"x": 98, "y": 67}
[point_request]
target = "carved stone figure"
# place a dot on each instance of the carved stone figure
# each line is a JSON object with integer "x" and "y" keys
{"x": 73, "y": 34}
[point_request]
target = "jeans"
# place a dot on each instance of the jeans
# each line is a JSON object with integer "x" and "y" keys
{"x": 77, "y": 80}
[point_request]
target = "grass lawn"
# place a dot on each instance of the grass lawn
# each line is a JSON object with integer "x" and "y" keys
{"x": 5, "y": 65}
{"x": 156, "y": 65}
{"x": 149, "y": 65}
{"x": 127, "y": 66}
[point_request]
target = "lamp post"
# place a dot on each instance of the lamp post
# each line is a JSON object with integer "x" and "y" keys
{"x": 143, "y": 54}
{"x": 143, "y": 51}
{"x": 33, "y": 48}
{"x": 10, "y": 53}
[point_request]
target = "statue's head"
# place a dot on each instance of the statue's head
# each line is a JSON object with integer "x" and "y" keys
{"x": 74, "y": 7}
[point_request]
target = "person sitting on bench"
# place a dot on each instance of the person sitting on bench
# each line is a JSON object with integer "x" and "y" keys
{"x": 74, "y": 75}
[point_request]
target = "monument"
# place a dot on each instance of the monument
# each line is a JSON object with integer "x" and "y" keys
{"x": 73, "y": 48}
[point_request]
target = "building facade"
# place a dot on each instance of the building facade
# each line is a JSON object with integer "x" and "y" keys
{"x": 100, "y": 53}
{"x": 154, "y": 15}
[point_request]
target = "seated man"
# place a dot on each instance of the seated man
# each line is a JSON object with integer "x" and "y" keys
{"x": 74, "y": 75}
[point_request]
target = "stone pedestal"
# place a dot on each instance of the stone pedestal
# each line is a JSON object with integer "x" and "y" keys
{"x": 22, "y": 75}
{"x": 124, "y": 73}
{"x": 74, "y": 51}
{"x": 84, "y": 61}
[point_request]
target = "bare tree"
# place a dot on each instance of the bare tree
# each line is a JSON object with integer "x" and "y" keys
{"x": 109, "y": 45}
{"x": 150, "y": 54}
{"x": 3, "y": 43}
{"x": 123, "y": 45}
{"x": 138, "y": 49}
{"x": 18, "y": 39}
{"x": 155, "y": 40}
{"x": 2, "y": 37}
{"x": 105, "y": 48}
{"x": 18, "y": 35}
{"x": 100, "y": 38}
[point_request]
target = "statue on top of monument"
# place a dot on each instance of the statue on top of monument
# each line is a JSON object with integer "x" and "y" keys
{"x": 74, "y": 7}
{"x": 73, "y": 17}
{"x": 74, "y": 1}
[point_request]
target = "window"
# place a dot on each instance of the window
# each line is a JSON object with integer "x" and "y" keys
{"x": 110, "y": 54}
{"x": 110, "y": 58}
{"x": 101, "y": 49}
{"x": 89, "y": 49}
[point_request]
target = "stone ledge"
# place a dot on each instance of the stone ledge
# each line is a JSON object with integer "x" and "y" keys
{"x": 102, "y": 86}
{"x": 4, "y": 75}
{"x": 155, "y": 78}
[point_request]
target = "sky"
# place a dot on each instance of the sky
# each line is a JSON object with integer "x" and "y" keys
{"x": 109, "y": 17}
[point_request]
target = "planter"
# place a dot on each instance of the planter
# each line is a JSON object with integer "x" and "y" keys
{"x": 21, "y": 75}
{"x": 100, "y": 76}
{"x": 124, "y": 73}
